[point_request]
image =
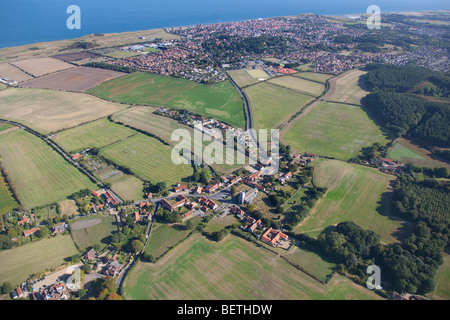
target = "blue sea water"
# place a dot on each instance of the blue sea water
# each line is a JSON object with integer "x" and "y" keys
{"x": 30, "y": 21}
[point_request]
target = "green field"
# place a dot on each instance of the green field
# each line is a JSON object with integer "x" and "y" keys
{"x": 164, "y": 236}
{"x": 95, "y": 234}
{"x": 298, "y": 84}
{"x": 232, "y": 269}
{"x": 442, "y": 290}
{"x": 19, "y": 264}
{"x": 219, "y": 100}
{"x": 148, "y": 159}
{"x": 38, "y": 173}
{"x": 271, "y": 105}
{"x": 7, "y": 202}
{"x": 320, "y": 77}
{"x": 98, "y": 134}
{"x": 355, "y": 193}
{"x": 127, "y": 187}
{"x": 334, "y": 130}
{"x": 119, "y": 54}
{"x": 399, "y": 152}
{"x": 311, "y": 262}
{"x": 242, "y": 77}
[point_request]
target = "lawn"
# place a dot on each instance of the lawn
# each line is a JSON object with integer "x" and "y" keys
{"x": 334, "y": 130}
{"x": 94, "y": 234}
{"x": 38, "y": 173}
{"x": 7, "y": 202}
{"x": 232, "y": 269}
{"x": 355, "y": 193}
{"x": 98, "y": 134}
{"x": 19, "y": 264}
{"x": 271, "y": 105}
{"x": 219, "y": 100}
{"x": 298, "y": 84}
{"x": 50, "y": 110}
{"x": 148, "y": 159}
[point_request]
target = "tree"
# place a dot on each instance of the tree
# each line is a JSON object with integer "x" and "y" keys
{"x": 136, "y": 245}
{"x": 113, "y": 296}
{"x": 190, "y": 224}
{"x": 43, "y": 232}
{"x": 6, "y": 288}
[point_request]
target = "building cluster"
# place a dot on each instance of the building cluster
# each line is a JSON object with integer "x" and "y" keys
{"x": 389, "y": 165}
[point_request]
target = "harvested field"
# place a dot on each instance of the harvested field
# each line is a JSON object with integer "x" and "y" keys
{"x": 348, "y": 88}
{"x": 299, "y": 84}
{"x": 49, "y": 110}
{"x": 40, "y": 66}
{"x": 13, "y": 73}
{"x": 74, "y": 56}
{"x": 77, "y": 79}
{"x": 242, "y": 78}
{"x": 320, "y": 77}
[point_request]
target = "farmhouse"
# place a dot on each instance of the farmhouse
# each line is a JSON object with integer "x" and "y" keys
{"x": 111, "y": 199}
{"x": 275, "y": 238}
{"x": 23, "y": 221}
{"x": 212, "y": 187}
{"x": 76, "y": 156}
{"x": 26, "y": 233}
{"x": 208, "y": 203}
{"x": 113, "y": 268}
{"x": 60, "y": 227}
{"x": 90, "y": 255}
{"x": 182, "y": 200}
{"x": 180, "y": 188}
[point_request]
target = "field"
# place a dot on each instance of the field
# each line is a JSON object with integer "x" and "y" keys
{"x": 75, "y": 56}
{"x": 298, "y": 84}
{"x": 78, "y": 79}
{"x": 348, "y": 88}
{"x": 95, "y": 233}
{"x": 18, "y": 264}
{"x": 334, "y": 130}
{"x": 13, "y": 73}
{"x": 119, "y": 54}
{"x": 164, "y": 236}
{"x": 233, "y": 269}
{"x": 404, "y": 151}
{"x": 127, "y": 187}
{"x": 7, "y": 202}
{"x": 98, "y": 134}
{"x": 320, "y": 77}
{"x": 272, "y": 104}
{"x": 258, "y": 74}
{"x": 148, "y": 159}
{"x": 442, "y": 290}
{"x": 68, "y": 207}
{"x": 242, "y": 78}
{"x": 38, "y": 173}
{"x": 311, "y": 262}
{"x": 355, "y": 193}
{"x": 219, "y": 100}
{"x": 40, "y": 66}
{"x": 48, "y": 110}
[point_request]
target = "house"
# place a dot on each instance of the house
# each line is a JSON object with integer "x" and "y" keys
{"x": 181, "y": 188}
{"x": 60, "y": 227}
{"x": 198, "y": 190}
{"x": 212, "y": 187}
{"x": 254, "y": 185}
{"x": 26, "y": 233}
{"x": 273, "y": 237}
{"x": 254, "y": 176}
{"x": 90, "y": 255}
{"x": 234, "y": 180}
{"x": 187, "y": 214}
{"x": 136, "y": 217}
{"x": 253, "y": 225}
{"x": 58, "y": 291}
{"x": 208, "y": 203}
{"x": 113, "y": 268}
{"x": 76, "y": 156}
{"x": 238, "y": 212}
{"x": 95, "y": 193}
{"x": 182, "y": 200}
{"x": 16, "y": 294}
{"x": 111, "y": 199}
{"x": 23, "y": 221}
{"x": 285, "y": 177}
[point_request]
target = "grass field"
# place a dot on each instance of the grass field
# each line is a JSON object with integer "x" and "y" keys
{"x": 242, "y": 78}
{"x": 38, "y": 173}
{"x": 219, "y": 100}
{"x": 299, "y": 84}
{"x": 19, "y": 264}
{"x": 95, "y": 234}
{"x": 348, "y": 89}
{"x": 401, "y": 153}
{"x": 258, "y": 74}
{"x": 164, "y": 236}
{"x": 320, "y": 77}
{"x": 334, "y": 130}
{"x": 232, "y": 269}
{"x": 271, "y": 105}
{"x": 48, "y": 110}
{"x": 128, "y": 187}
{"x": 148, "y": 158}
{"x": 119, "y": 54}
{"x": 355, "y": 193}
{"x": 7, "y": 202}
{"x": 442, "y": 290}
{"x": 311, "y": 262}
{"x": 98, "y": 134}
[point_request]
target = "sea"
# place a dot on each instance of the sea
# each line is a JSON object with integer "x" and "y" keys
{"x": 24, "y": 22}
